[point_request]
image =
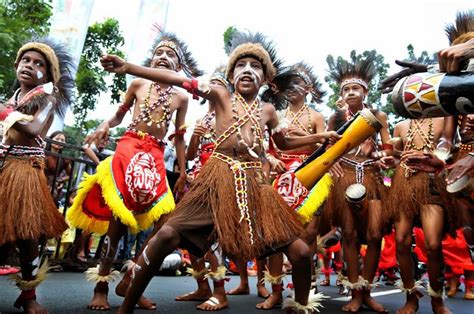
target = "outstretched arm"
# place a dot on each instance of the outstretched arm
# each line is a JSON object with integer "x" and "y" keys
{"x": 115, "y": 64}
{"x": 102, "y": 132}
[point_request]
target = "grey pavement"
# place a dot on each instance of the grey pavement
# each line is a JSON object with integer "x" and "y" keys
{"x": 70, "y": 292}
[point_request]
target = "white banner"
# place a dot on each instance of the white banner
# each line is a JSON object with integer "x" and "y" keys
{"x": 69, "y": 24}
{"x": 151, "y": 14}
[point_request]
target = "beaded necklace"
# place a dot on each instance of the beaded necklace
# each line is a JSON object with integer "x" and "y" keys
{"x": 146, "y": 110}
{"x": 207, "y": 123}
{"x": 295, "y": 118}
{"x": 416, "y": 129}
{"x": 254, "y": 112}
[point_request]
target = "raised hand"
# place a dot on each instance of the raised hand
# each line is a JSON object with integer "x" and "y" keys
{"x": 386, "y": 86}
{"x": 114, "y": 64}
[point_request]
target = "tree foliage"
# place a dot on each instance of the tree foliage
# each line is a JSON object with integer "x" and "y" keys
{"x": 374, "y": 95}
{"x": 20, "y": 20}
{"x": 423, "y": 58}
{"x": 91, "y": 78}
{"x": 229, "y": 32}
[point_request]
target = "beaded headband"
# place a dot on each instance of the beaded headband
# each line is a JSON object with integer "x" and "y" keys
{"x": 354, "y": 80}
{"x": 172, "y": 45}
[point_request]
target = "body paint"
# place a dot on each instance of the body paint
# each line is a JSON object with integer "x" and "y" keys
{"x": 248, "y": 70}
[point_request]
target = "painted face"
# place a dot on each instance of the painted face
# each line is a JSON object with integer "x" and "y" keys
{"x": 32, "y": 69}
{"x": 298, "y": 89}
{"x": 165, "y": 58}
{"x": 353, "y": 94}
{"x": 248, "y": 74}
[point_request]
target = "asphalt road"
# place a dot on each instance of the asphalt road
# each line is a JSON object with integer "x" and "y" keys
{"x": 70, "y": 293}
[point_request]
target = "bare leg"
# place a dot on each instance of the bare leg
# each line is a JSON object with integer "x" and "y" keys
{"x": 374, "y": 246}
{"x": 403, "y": 238}
{"x": 326, "y": 270}
{"x": 218, "y": 300}
{"x": 243, "y": 287}
{"x": 204, "y": 291}
{"x": 114, "y": 233}
{"x": 29, "y": 261}
{"x": 452, "y": 281}
{"x": 350, "y": 245}
{"x": 432, "y": 220}
{"x": 162, "y": 244}
{"x": 275, "y": 269}
{"x": 299, "y": 255}
{"x": 469, "y": 284}
{"x": 261, "y": 289}
{"x": 122, "y": 286}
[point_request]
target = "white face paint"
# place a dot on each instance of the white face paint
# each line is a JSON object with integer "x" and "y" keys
{"x": 169, "y": 60}
{"x": 248, "y": 71}
{"x": 39, "y": 75}
{"x": 353, "y": 94}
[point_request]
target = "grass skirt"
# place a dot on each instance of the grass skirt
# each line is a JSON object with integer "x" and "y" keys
{"x": 211, "y": 202}
{"x": 27, "y": 208}
{"x": 408, "y": 195}
{"x": 336, "y": 204}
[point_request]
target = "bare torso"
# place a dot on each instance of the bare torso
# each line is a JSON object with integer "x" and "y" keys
{"x": 142, "y": 93}
{"x": 435, "y": 124}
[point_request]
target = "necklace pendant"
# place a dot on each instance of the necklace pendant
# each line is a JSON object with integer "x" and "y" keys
{"x": 158, "y": 125}
{"x": 149, "y": 123}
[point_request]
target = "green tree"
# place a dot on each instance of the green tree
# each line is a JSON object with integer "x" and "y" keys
{"x": 91, "y": 78}
{"x": 20, "y": 20}
{"x": 374, "y": 95}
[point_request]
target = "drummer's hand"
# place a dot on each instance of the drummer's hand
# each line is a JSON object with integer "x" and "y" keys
{"x": 422, "y": 161}
{"x": 387, "y": 85}
{"x": 460, "y": 168}
{"x": 451, "y": 59}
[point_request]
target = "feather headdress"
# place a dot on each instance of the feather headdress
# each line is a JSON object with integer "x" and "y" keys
{"x": 246, "y": 44}
{"x": 462, "y": 29}
{"x": 60, "y": 67}
{"x": 283, "y": 82}
{"x": 170, "y": 40}
{"x": 361, "y": 72}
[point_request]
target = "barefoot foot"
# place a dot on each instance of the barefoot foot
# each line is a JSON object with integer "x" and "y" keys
{"x": 355, "y": 304}
{"x": 198, "y": 295}
{"x": 121, "y": 290}
{"x": 239, "y": 290}
{"x": 32, "y": 307}
{"x": 438, "y": 306}
{"x": 273, "y": 300}
{"x": 372, "y": 304}
{"x": 99, "y": 302}
{"x": 213, "y": 304}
